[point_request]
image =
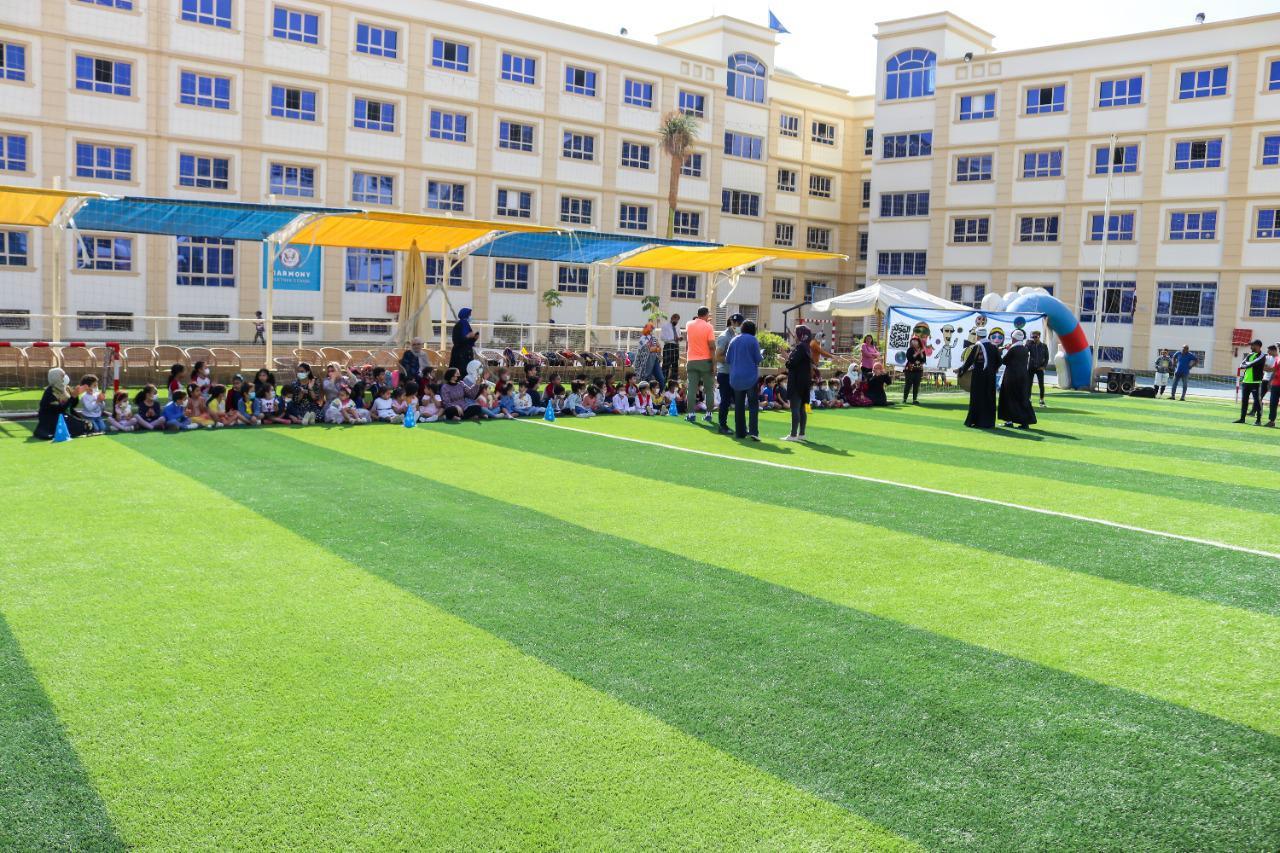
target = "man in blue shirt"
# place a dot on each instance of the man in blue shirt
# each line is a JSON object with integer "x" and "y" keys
{"x": 1182, "y": 364}
{"x": 744, "y": 357}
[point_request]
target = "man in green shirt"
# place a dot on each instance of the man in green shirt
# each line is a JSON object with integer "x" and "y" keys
{"x": 1252, "y": 369}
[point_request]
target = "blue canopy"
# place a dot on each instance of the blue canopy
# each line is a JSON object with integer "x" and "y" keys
{"x": 189, "y": 218}
{"x": 575, "y": 247}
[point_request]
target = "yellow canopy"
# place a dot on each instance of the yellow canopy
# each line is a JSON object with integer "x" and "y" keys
{"x": 399, "y": 231}
{"x": 34, "y": 205}
{"x": 717, "y": 258}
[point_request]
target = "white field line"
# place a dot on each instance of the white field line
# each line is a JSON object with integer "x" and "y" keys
{"x": 926, "y": 489}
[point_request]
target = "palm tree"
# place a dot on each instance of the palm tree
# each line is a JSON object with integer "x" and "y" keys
{"x": 676, "y": 133}
{"x": 551, "y": 299}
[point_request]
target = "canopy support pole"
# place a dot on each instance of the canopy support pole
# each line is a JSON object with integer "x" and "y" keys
{"x": 732, "y": 276}
{"x": 276, "y": 242}
{"x": 453, "y": 259}
{"x": 59, "y": 224}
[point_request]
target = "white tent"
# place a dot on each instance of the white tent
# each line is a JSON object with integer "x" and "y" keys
{"x": 937, "y": 301}
{"x": 871, "y": 301}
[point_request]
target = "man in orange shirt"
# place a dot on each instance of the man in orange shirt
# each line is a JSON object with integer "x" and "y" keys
{"x": 701, "y": 368}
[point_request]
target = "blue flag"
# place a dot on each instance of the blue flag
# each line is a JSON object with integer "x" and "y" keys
{"x": 775, "y": 24}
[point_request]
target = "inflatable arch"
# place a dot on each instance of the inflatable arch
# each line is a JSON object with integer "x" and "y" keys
{"x": 1062, "y": 322}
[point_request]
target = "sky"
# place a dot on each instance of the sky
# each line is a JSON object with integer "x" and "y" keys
{"x": 832, "y": 42}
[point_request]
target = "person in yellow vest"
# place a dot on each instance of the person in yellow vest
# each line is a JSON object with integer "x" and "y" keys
{"x": 1252, "y": 369}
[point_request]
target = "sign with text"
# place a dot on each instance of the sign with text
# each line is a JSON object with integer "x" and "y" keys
{"x": 297, "y": 267}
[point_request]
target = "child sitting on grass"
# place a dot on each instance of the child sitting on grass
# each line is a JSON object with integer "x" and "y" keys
{"x": 487, "y": 400}
{"x": 267, "y": 407}
{"x": 176, "y": 374}
{"x": 592, "y": 399}
{"x": 150, "y": 416}
{"x": 644, "y": 400}
{"x": 297, "y": 406}
{"x": 526, "y": 406}
{"x": 217, "y": 406}
{"x": 429, "y": 405}
{"x": 91, "y": 403}
{"x": 121, "y": 418}
{"x": 198, "y": 409}
{"x": 383, "y": 408}
{"x": 621, "y": 405}
{"x": 573, "y": 403}
{"x": 175, "y": 413}
{"x": 343, "y": 409}
{"x": 669, "y": 397}
{"x": 506, "y": 397}
{"x": 682, "y": 399}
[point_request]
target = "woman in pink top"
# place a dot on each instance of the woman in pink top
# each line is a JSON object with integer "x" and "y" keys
{"x": 870, "y": 355}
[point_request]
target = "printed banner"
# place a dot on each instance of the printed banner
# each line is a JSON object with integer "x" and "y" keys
{"x": 946, "y": 333}
{"x": 297, "y": 267}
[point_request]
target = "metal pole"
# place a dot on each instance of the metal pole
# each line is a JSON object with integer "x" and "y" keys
{"x": 1099, "y": 293}
{"x": 272, "y": 251}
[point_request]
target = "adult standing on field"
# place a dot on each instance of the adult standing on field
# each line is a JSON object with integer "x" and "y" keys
{"x": 701, "y": 369}
{"x": 1038, "y": 353}
{"x": 670, "y": 334}
{"x": 464, "y": 341}
{"x": 1251, "y": 371}
{"x": 799, "y": 382}
{"x": 722, "y": 369}
{"x": 1182, "y": 364}
{"x": 744, "y": 359}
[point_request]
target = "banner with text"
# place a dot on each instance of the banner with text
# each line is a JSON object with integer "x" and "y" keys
{"x": 297, "y": 267}
{"x": 946, "y": 333}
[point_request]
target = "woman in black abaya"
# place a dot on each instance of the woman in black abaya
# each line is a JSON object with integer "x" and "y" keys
{"x": 1015, "y": 389}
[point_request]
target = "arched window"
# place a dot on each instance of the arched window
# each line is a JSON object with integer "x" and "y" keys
{"x": 746, "y": 78}
{"x": 910, "y": 74}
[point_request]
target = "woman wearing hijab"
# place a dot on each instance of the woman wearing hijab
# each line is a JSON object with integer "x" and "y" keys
{"x": 1015, "y": 389}
{"x": 876, "y": 385}
{"x": 475, "y": 371}
{"x": 646, "y": 361}
{"x": 851, "y": 388}
{"x": 464, "y": 341}
{"x": 800, "y": 382}
{"x": 60, "y": 398}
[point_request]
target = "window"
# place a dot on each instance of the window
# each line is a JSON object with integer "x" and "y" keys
{"x": 1037, "y": 229}
{"x": 1119, "y": 227}
{"x": 1271, "y": 150}
{"x": 292, "y": 25}
{"x": 869, "y": 141}
{"x": 451, "y": 55}
{"x": 688, "y": 223}
{"x": 692, "y": 167}
{"x": 818, "y": 239}
{"x": 434, "y": 270}
{"x": 973, "y": 168}
{"x": 863, "y": 239}
{"x": 739, "y": 203}
{"x": 206, "y": 262}
{"x": 104, "y": 162}
{"x": 370, "y": 271}
{"x": 1268, "y": 227}
{"x": 1042, "y": 164}
{"x": 1185, "y": 303}
{"x": 104, "y": 321}
{"x": 211, "y": 13}
{"x": 1120, "y": 93}
{"x": 1202, "y": 83}
{"x": 784, "y": 234}
{"x": 375, "y": 115}
{"x": 369, "y": 327}
{"x": 636, "y": 156}
{"x": 1110, "y": 355}
{"x": 13, "y": 153}
{"x": 693, "y": 104}
{"x": 637, "y": 93}
{"x": 216, "y": 324}
{"x": 905, "y": 204}
{"x": 514, "y": 136}
{"x": 1264, "y": 302}
{"x": 786, "y": 180}
{"x": 976, "y": 107}
{"x": 204, "y": 90}
{"x": 743, "y": 145}
{"x": 125, "y": 5}
{"x": 13, "y": 249}
{"x": 105, "y": 76}
{"x": 781, "y": 290}
{"x": 1122, "y": 159}
{"x": 575, "y": 210}
{"x": 633, "y": 217}
{"x": 519, "y": 69}
{"x": 968, "y": 294}
{"x": 971, "y": 229}
{"x": 370, "y": 188}
{"x": 517, "y": 204}
{"x": 204, "y": 171}
{"x": 292, "y": 326}
{"x": 898, "y": 145}
{"x": 377, "y": 41}
{"x": 1046, "y": 99}
{"x": 1193, "y": 225}
{"x": 294, "y": 103}
{"x": 746, "y": 78}
{"x": 866, "y": 194}
{"x": 1197, "y": 154}
{"x": 293, "y": 181}
{"x": 446, "y": 195}
{"x": 816, "y": 289}
{"x": 909, "y": 74}
{"x": 1119, "y": 299}
{"x": 13, "y": 61}
{"x": 684, "y": 286}
{"x": 579, "y": 81}
{"x": 14, "y": 319}
{"x": 823, "y": 133}
{"x": 820, "y": 186}
{"x": 1273, "y": 79}
{"x": 572, "y": 279}
{"x": 789, "y": 125}
{"x": 900, "y": 263}
{"x": 509, "y": 275}
{"x": 629, "y": 283}
{"x": 451, "y": 127}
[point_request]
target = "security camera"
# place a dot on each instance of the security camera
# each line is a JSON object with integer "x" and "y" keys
{"x": 968, "y": 57}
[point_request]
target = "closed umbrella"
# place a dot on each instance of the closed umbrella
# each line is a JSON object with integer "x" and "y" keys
{"x": 412, "y": 297}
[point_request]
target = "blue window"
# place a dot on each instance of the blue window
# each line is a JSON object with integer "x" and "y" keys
{"x": 1204, "y": 83}
{"x": 1119, "y": 300}
{"x": 515, "y": 136}
{"x": 633, "y": 217}
{"x": 13, "y": 153}
{"x": 636, "y": 156}
{"x": 745, "y": 80}
{"x": 572, "y": 278}
{"x": 204, "y": 172}
{"x": 693, "y": 104}
{"x": 866, "y": 194}
{"x": 823, "y": 132}
{"x": 509, "y": 275}
{"x": 290, "y": 102}
{"x": 1038, "y": 229}
{"x": 211, "y": 13}
{"x": 1264, "y": 302}
{"x": 435, "y": 269}
{"x": 104, "y": 253}
{"x": 692, "y": 166}
{"x": 1185, "y": 303}
{"x": 106, "y": 76}
{"x": 111, "y": 4}
{"x": 868, "y": 141}
{"x": 579, "y": 81}
{"x": 1196, "y": 225}
{"x": 1271, "y": 150}
{"x": 820, "y": 186}
{"x": 575, "y": 210}
{"x": 971, "y": 229}
{"x": 905, "y": 204}
{"x": 968, "y": 294}
{"x": 739, "y": 203}
{"x": 14, "y": 251}
{"x": 451, "y": 55}
{"x": 1273, "y": 78}
{"x": 818, "y": 239}
{"x": 446, "y": 195}
{"x": 789, "y": 125}
{"x": 901, "y": 263}
{"x": 787, "y": 180}
{"x": 629, "y": 283}
{"x": 1197, "y": 154}
{"x": 909, "y": 74}
{"x": 13, "y": 61}
{"x": 1120, "y": 93}
{"x": 377, "y": 41}
{"x": 1268, "y": 226}
{"x": 451, "y": 127}
{"x": 897, "y": 145}
{"x": 688, "y": 223}
{"x": 370, "y": 271}
{"x": 975, "y": 107}
{"x": 375, "y": 115}
{"x": 205, "y": 90}
{"x": 743, "y": 145}
{"x": 684, "y": 286}
{"x": 638, "y": 93}
{"x": 1042, "y": 164}
{"x": 519, "y": 69}
{"x": 293, "y": 181}
{"x": 372, "y": 188}
{"x": 973, "y": 168}
{"x": 1046, "y": 99}
{"x": 517, "y": 204}
{"x": 206, "y": 262}
{"x": 104, "y": 162}
{"x": 1121, "y": 158}
{"x": 1119, "y": 227}
{"x": 579, "y": 146}
{"x": 292, "y": 25}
